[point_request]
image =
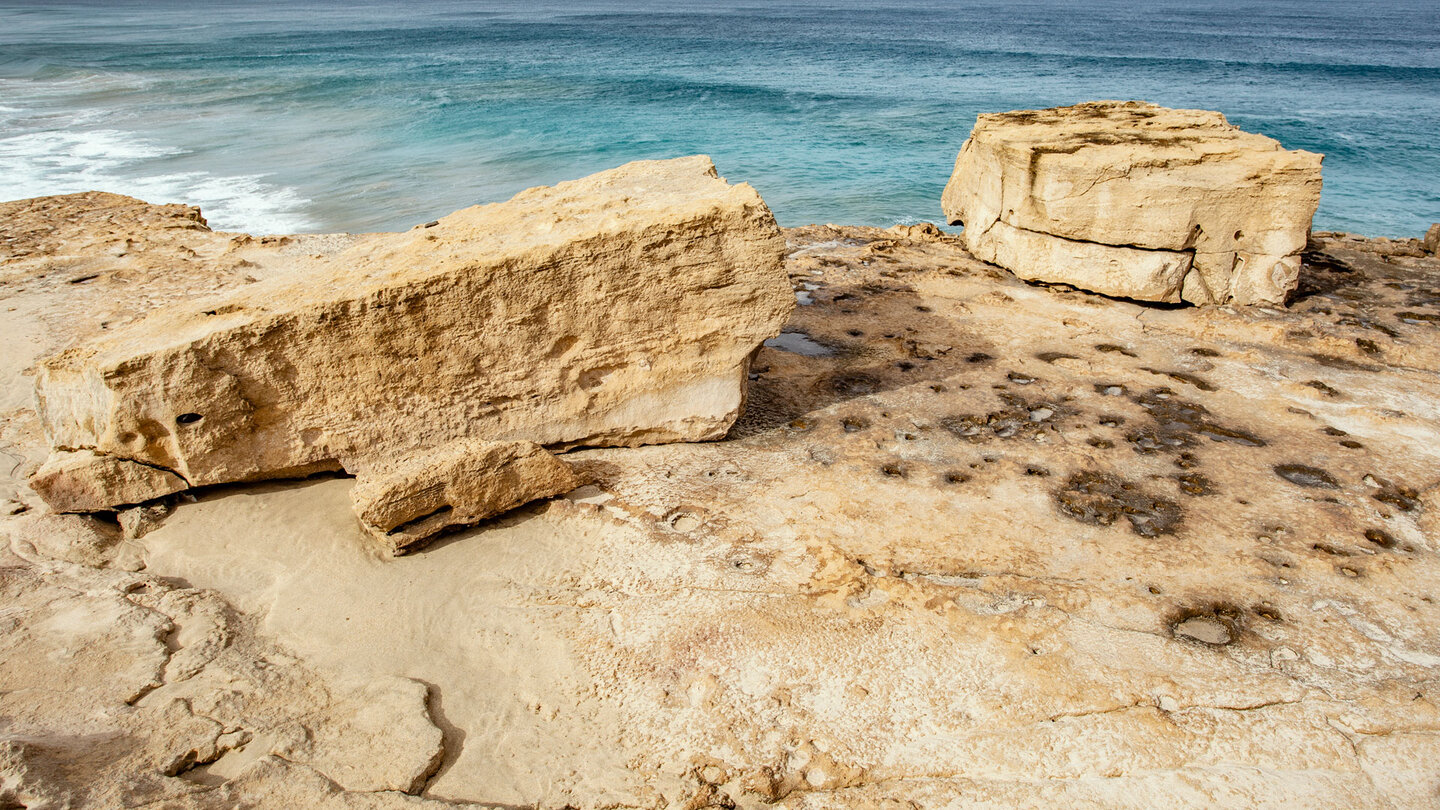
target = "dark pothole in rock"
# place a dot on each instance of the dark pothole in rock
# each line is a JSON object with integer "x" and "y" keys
{"x": 1102, "y": 499}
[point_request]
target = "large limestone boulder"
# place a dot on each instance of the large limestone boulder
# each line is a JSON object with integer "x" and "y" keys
{"x": 619, "y": 309}
{"x": 1138, "y": 201}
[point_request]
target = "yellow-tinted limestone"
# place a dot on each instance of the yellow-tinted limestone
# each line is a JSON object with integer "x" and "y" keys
{"x": 619, "y": 309}
{"x": 1137, "y": 201}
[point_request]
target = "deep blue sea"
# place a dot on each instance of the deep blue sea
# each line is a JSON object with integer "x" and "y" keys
{"x": 326, "y": 115}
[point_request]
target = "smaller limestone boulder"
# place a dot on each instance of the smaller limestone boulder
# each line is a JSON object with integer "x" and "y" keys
{"x": 85, "y": 481}
{"x": 458, "y": 485}
{"x": 1432, "y": 239}
{"x": 1138, "y": 201}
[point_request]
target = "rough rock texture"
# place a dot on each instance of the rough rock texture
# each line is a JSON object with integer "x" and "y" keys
{"x": 1137, "y": 201}
{"x": 457, "y": 485}
{"x": 86, "y": 481}
{"x": 620, "y": 309}
{"x": 1432, "y": 239}
{"x": 123, "y": 690}
{"x": 976, "y": 543}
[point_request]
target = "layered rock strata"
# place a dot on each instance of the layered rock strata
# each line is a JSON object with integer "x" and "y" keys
{"x": 619, "y": 309}
{"x": 1134, "y": 200}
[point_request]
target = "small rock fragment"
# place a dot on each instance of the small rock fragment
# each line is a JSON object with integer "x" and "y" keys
{"x": 458, "y": 485}
{"x": 1432, "y": 239}
{"x": 139, "y": 521}
{"x": 86, "y": 481}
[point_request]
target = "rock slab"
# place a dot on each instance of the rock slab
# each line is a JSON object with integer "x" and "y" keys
{"x": 459, "y": 485}
{"x": 1134, "y": 200}
{"x": 616, "y": 310}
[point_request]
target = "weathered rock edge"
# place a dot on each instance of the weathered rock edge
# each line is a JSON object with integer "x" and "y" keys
{"x": 1135, "y": 200}
{"x": 616, "y": 310}
{"x": 458, "y": 485}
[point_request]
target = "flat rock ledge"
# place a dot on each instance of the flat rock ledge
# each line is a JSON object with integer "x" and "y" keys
{"x": 1133, "y": 200}
{"x": 617, "y": 310}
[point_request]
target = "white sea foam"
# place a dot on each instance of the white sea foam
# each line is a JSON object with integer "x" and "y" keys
{"x": 33, "y": 164}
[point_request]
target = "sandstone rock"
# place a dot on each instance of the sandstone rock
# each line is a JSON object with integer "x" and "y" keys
{"x": 1432, "y": 239}
{"x": 918, "y": 232}
{"x": 80, "y": 539}
{"x": 458, "y": 485}
{"x": 1134, "y": 200}
{"x": 620, "y": 309}
{"x": 138, "y": 521}
{"x": 86, "y": 481}
{"x": 381, "y": 738}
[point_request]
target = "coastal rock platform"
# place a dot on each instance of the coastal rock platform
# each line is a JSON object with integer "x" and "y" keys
{"x": 974, "y": 543}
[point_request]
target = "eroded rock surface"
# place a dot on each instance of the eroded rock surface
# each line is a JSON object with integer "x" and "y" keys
{"x": 1138, "y": 201}
{"x": 459, "y": 484}
{"x": 620, "y": 309}
{"x": 974, "y": 543}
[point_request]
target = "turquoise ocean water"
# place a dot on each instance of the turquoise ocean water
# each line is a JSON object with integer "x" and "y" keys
{"x": 319, "y": 115}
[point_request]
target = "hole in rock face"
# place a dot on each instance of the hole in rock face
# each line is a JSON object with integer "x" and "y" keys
{"x": 853, "y": 424}
{"x": 1195, "y": 484}
{"x": 854, "y": 384}
{"x": 683, "y": 521}
{"x": 1239, "y": 235}
{"x": 1402, "y": 497}
{"x": 1205, "y": 629}
{"x": 1177, "y": 423}
{"x": 1102, "y": 499}
{"x": 1381, "y": 538}
{"x": 1111, "y": 348}
{"x": 188, "y": 418}
{"x": 894, "y": 470}
{"x": 1268, "y": 612}
{"x": 1306, "y": 476}
{"x": 1215, "y": 625}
